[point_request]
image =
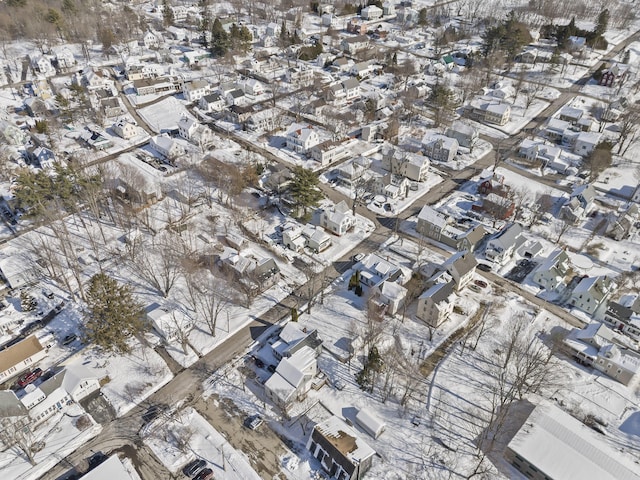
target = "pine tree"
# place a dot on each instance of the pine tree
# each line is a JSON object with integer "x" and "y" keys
{"x": 114, "y": 315}
{"x": 220, "y": 41}
{"x": 304, "y": 188}
{"x": 168, "y": 18}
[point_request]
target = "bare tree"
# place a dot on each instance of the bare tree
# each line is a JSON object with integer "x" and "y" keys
{"x": 17, "y": 432}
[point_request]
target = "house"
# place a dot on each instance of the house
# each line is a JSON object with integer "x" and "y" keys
{"x": 579, "y": 203}
{"x": 353, "y": 45}
{"x": 17, "y": 273}
{"x": 357, "y": 26}
{"x": 500, "y": 248}
{"x": 187, "y": 126}
{"x": 413, "y": 166}
{"x": 292, "y": 379}
{"x": 13, "y": 135}
{"x": 253, "y": 87}
{"x": 263, "y": 120}
{"x": 344, "y": 92}
{"x": 42, "y": 156}
{"x": 339, "y": 219}
{"x": 443, "y": 228}
{"x": 195, "y": 90}
{"x": 95, "y": 138}
{"x": 42, "y": 64}
{"x": 20, "y": 356}
{"x": 292, "y": 339}
{"x": 152, "y": 86}
{"x": 623, "y": 319}
{"x": 436, "y": 303}
{"x": 370, "y": 423}
{"x": 65, "y": 59}
{"x": 300, "y": 76}
{"x": 374, "y": 270}
{"x": 388, "y": 8}
{"x": 419, "y": 90}
{"x": 552, "y": 273}
{"x": 592, "y": 294}
{"x": 440, "y": 147}
{"x": 363, "y": 69}
{"x": 371, "y": 12}
{"x": 317, "y": 238}
{"x": 586, "y": 142}
{"x": 331, "y": 151}
{"x": 489, "y": 111}
{"x": 391, "y": 295}
{"x": 466, "y": 135}
{"x": 111, "y": 107}
{"x": 151, "y": 40}
{"x": 497, "y": 206}
{"x": 553, "y": 444}
{"x": 535, "y": 151}
{"x": 166, "y": 146}
{"x": 300, "y": 138}
{"x": 571, "y": 114}
{"x": 529, "y": 56}
{"x": 619, "y": 225}
{"x": 171, "y": 323}
{"x": 599, "y": 347}
{"x": 125, "y": 129}
{"x": 461, "y": 266}
{"x": 339, "y": 449}
{"x": 212, "y": 102}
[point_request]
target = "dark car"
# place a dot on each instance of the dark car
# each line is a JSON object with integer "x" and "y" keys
{"x": 193, "y": 467}
{"x": 259, "y": 363}
{"x": 484, "y": 267}
{"x": 69, "y": 339}
{"x": 30, "y": 377}
{"x": 206, "y": 474}
{"x": 253, "y": 422}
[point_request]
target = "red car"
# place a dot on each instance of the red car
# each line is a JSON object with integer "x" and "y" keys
{"x": 30, "y": 377}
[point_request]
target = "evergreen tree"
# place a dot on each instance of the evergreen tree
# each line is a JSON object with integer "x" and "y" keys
{"x": 114, "y": 315}
{"x": 220, "y": 42}
{"x": 422, "y": 16}
{"x": 304, "y": 189}
{"x": 168, "y": 18}
{"x": 602, "y": 23}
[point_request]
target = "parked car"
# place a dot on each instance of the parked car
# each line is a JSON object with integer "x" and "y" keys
{"x": 206, "y": 474}
{"x": 30, "y": 377}
{"x": 484, "y": 267}
{"x": 69, "y": 339}
{"x": 339, "y": 385}
{"x": 194, "y": 467}
{"x": 47, "y": 293}
{"x": 480, "y": 283}
{"x": 253, "y": 422}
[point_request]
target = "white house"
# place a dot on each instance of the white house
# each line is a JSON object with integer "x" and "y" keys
{"x": 65, "y": 58}
{"x": 592, "y": 294}
{"x": 355, "y": 44}
{"x": 551, "y": 443}
{"x": 169, "y": 322}
{"x": 586, "y": 142}
{"x": 187, "y": 126}
{"x": 597, "y": 346}
{"x": 150, "y": 40}
{"x": 461, "y": 266}
{"x": 166, "y": 146}
{"x": 501, "y": 248}
{"x": 338, "y": 220}
{"x": 253, "y": 87}
{"x": 300, "y": 138}
{"x": 579, "y": 203}
{"x": 212, "y": 102}
{"x": 21, "y": 356}
{"x": 371, "y": 12}
{"x": 125, "y": 129}
{"x": 42, "y": 64}
{"x": 436, "y": 304}
{"x": 195, "y": 90}
{"x": 375, "y": 270}
{"x": 466, "y": 135}
{"x": 440, "y": 147}
{"x": 552, "y": 272}
{"x": 292, "y": 378}
{"x": 413, "y": 166}
{"x": 391, "y": 295}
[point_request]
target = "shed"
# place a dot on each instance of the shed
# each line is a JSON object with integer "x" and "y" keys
{"x": 370, "y": 423}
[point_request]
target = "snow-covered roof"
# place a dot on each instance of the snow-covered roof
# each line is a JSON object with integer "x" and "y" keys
{"x": 370, "y": 423}
{"x": 562, "y": 447}
{"x": 110, "y": 469}
{"x": 433, "y": 217}
{"x": 345, "y": 439}
{"x": 291, "y": 333}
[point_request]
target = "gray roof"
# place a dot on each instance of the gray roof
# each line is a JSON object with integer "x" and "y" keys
{"x": 439, "y": 292}
{"x": 463, "y": 262}
{"x": 10, "y": 406}
{"x": 618, "y": 311}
